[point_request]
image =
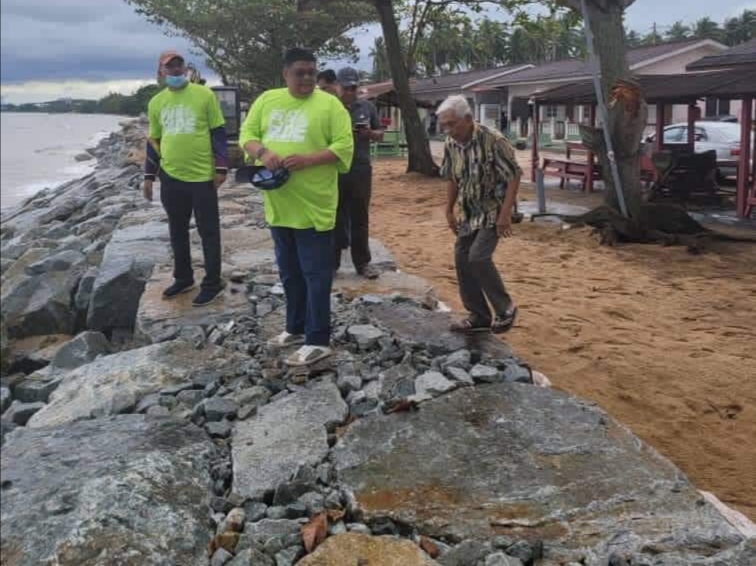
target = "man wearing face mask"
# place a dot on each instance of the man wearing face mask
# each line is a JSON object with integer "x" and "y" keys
{"x": 187, "y": 149}
{"x": 353, "y": 220}
{"x": 308, "y": 132}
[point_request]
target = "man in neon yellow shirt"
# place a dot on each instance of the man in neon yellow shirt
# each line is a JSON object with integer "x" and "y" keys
{"x": 308, "y": 132}
{"x": 187, "y": 146}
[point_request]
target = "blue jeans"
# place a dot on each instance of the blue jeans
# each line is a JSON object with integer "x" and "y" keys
{"x": 305, "y": 263}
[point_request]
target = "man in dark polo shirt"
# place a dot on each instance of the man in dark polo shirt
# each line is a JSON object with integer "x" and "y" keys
{"x": 353, "y": 218}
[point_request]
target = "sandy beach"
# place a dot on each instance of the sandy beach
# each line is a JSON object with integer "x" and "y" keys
{"x": 661, "y": 339}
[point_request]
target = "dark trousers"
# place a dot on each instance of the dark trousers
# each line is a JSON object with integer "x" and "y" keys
{"x": 180, "y": 199}
{"x": 353, "y": 217}
{"x": 478, "y": 277}
{"x": 304, "y": 260}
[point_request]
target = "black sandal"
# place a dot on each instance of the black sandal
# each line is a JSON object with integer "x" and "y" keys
{"x": 502, "y": 324}
{"x": 467, "y": 326}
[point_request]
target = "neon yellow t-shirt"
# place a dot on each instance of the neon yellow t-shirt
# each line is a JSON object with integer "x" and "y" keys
{"x": 287, "y": 125}
{"x": 182, "y": 120}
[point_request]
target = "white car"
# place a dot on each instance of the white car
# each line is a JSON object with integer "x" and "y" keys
{"x": 722, "y": 137}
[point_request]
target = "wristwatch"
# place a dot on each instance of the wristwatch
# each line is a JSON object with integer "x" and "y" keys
{"x": 261, "y": 151}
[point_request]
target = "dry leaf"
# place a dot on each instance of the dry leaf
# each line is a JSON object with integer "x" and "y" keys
{"x": 227, "y": 541}
{"x": 335, "y": 515}
{"x": 341, "y": 430}
{"x": 429, "y": 547}
{"x": 315, "y": 532}
{"x": 403, "y": 406}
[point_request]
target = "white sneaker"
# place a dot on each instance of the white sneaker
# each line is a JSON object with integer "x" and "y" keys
{"x": 308, "y": 355}
{"x": 285, "y": 339}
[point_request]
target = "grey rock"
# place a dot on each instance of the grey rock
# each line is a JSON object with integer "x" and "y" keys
{"x": 218, "y": 408}
{"x": 39, "y": 304}
{"x": 221, "y": 505}
{"x": 246, "y": 411}
{"x": 84, "y": 293}
{"x": 254, "y": 396}
{"x": 289, "y": 556}
{"x": 460, "y": 359}
{"x": 354, "y": 397}
{"x": 364, "y": 407}
{"x": 347, "y": 383}
{"x": 502, "y": 542}
{"x": 484, "y": 373}
{"x": 90, "y": 493}
{"x": 20, "y": 413}
{"x": 516, "y": 373}
{"x": 325, "y": 473}
{"x": 365, "y": 335}
{"x": 521, "y": 439}
{"x": 334, "y": 500}
{"x": 429, "y": 330}
{"x": 195, "y": 335}
{"x": 255, "y": 510}
{"x": 314, "y": 502}
{"x": 190, "y": 397}
{"x": 36, "y": 390}
{"x": 286, "y": 434}
{"x": 5, "y": 399}
{"x": 502, "y": 559}
{"x": 523, "y": 551}
{"x": 116, "y": 383}
{"x": 295, "y": 510}
{"x": 468, "y": 553}
{"x": 252, "y": 557}
{"x": 460, "y": 375}
{"x": 277, "y": 290}
{"x": 220, "y": 429}
{"x": 221, "y": 557}
{"x": 177, "y": 388}
{"x": 62, "y": 261}
{"x": 277, "y": 512}
{"x": 83, "y": 156}
{"x": 260, "y": 533}
{"x": 158, "y": 411}
{"x": 338, "y": 528}
{"x": 127, "y": 264}
{"x": 151, "y": 400}
{"x": 431, "y": 384}
{"x": 264, "y": 308}
{"x": 394, "y": 381}
{"x": 86, "y": 347}
{"x": 359, "y": 528}
{"x": 373, "y": 390}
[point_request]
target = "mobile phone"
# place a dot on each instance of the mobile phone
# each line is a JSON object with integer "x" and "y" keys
{"x": 361, "y": 126}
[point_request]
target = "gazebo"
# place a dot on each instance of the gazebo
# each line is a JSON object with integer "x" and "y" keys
{"x": 664, "y": 90}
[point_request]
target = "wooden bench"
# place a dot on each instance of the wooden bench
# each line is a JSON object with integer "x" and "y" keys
{"x": 566, "y": 169}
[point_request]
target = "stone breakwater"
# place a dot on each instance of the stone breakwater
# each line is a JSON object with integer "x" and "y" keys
{"x": 138, "y": 431}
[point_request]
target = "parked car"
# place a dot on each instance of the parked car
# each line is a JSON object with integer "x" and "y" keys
{"x": 722, "y": 137}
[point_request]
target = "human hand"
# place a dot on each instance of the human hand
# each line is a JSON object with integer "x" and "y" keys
{"x": 147, "y": 189}
{"x": 451, "y": 220}
{"x": 297, "y": 162}
{"x": 271, "y": 160}
{"x": 219, "y": 179}
{"x": 504, "y": 225}
{"x": 365, "y": 134}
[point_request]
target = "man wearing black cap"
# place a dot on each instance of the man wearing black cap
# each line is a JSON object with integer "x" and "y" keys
{"x": 353, "y": 218}
{"x": 187, "y": 149}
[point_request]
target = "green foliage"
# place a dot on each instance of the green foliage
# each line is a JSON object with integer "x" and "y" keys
{"x": 123, "y": 104}
{"x": 733, "y": 31}
{"x": 244, "y": 40}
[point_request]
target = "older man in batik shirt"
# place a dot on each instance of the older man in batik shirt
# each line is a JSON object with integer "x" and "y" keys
{"x": 483, "y": 180}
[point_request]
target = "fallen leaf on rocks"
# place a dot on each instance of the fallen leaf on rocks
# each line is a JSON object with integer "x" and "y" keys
{"x": 402, "y": 406}
{"x": 341, "y": 430}
{"x": 429, "y": 547}
{"x": 315, "y": 532}
{"x": 335, "y": 515}
{"x": 226, "y": 541}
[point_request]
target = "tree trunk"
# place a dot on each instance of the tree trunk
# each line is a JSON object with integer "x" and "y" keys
{"x": 418, "y": 148}
{"x": 626, "y": 121}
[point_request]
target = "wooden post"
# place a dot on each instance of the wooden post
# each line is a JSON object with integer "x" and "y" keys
{"x": 589, "y": 156}
{"x": 744, "y": 157}
{"x": 534, "y": 149}
{"x": 692, "y": 111}
{"x": 659, "y": 126}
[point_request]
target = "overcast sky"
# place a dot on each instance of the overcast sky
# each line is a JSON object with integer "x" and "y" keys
{"x": 87, "y": 48}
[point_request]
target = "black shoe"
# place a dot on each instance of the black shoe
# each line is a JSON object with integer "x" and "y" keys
{"x": 368, "y": 272}
{"x": 207, "y": 296}
{"x": 177, "y": 289}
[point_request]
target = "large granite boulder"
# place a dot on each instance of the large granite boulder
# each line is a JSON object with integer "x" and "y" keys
{"x": 531, "y": 463}
{"x": 128, "y": 490}
{"x": 354, "y": 548}
{"x": 126, "y": 266}
{"x": 37, "y": 293}
{"x": 287, "y": 434}
{"x": 430, "y": 329}
{"x": 115, "y": 384}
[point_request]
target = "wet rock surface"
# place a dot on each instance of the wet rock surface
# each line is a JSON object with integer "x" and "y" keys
{"x": 118, "y": 490}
